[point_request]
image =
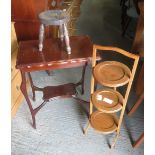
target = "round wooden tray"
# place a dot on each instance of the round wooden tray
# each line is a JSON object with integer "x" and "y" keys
{"x": 102, "y": 122}
{"x": 112, "y": 73}
{"x": 107, "y": 100}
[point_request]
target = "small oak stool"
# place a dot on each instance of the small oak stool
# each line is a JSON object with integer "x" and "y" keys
{"x": 57, "y": 18}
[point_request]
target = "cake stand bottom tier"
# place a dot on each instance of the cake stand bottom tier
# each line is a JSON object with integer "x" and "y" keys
{"x": 103, "y": 122}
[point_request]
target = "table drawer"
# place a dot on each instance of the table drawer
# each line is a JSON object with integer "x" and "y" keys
{"x": 15, "y": 88}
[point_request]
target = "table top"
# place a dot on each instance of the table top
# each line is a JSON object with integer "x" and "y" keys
{"x": 54, "y": 55}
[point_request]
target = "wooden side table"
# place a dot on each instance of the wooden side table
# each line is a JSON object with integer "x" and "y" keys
{"x": 52, "y": 57}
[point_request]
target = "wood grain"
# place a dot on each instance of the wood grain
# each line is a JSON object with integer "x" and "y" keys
{"x": 111, "y": 74}
{"x": 53, "y": 55}
{"x": 97, "y": 122}
{"x": 104, "y": 123}
{"x": 16, "y": 95}
{"x": 110, "y": 94}
{"x": 25, "y": 15}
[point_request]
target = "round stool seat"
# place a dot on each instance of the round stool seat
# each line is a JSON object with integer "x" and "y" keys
{"x": 53, "y": 17}
{"x": 111, "y": 74}
{"x": 107, "y": 100}
{"x": 102, "y": 122}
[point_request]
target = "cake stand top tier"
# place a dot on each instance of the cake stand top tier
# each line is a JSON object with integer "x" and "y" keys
{"x": 112, "y": 73}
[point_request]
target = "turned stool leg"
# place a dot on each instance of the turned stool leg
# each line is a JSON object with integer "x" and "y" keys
{"x": 61, "y": 32}
{"x": 68, "y": 48}
{"x": 41, "y": 37}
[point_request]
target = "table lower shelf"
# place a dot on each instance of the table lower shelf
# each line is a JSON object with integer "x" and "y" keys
{"x": 52, "y": 93}
{"x": 55, "y": 92}
{"x": 103, "y": 122}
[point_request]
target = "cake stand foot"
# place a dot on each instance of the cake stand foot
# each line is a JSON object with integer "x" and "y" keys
{"x": 86, "y": 129}
{"x": 114, "y": 142}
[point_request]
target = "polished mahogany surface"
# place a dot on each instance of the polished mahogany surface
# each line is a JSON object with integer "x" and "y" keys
{"x": 25, "y": 15}
{"x": 54, "y": 55}
{"x": 23, "y": 10}
{"x": 55, "y": 92}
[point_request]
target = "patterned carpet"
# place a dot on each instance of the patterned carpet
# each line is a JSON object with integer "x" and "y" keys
{"x": 60, "y": 124}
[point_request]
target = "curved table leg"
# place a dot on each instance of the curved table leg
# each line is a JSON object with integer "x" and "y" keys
{"x": 32, "y": 86}
{"x": 82, "y": 79}
{"x": 81, "y": 82}
{"x": 24, "y": 91}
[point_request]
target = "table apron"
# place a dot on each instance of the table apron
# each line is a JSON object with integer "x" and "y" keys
{"x": 52, "y": 67}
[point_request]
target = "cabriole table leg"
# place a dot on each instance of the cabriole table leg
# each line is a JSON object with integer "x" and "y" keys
{"x": 81, "y": 82}
{"x": 82, "y": 79}
{"x": 24, "y": 91}
{"x": 32, "y": 86}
